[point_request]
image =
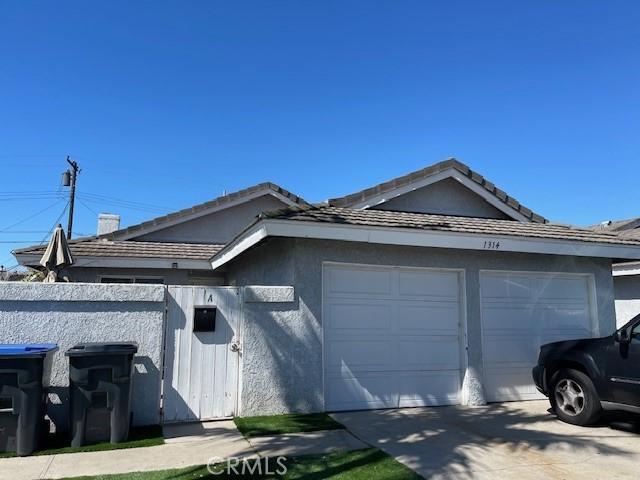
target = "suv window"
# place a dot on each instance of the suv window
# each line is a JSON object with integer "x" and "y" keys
{"x": 635, "y": 333}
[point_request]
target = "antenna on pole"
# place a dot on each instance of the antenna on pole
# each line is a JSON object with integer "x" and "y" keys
{"x": 69, "y": 179}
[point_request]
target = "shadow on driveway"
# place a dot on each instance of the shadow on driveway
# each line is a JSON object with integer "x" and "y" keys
{"x": 500, "y": 441}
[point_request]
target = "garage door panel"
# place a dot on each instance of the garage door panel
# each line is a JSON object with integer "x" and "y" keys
{"x": 428, "y": 353}
{"x": 358, "y": 316}
{"x": 515, "y": 287}
{"x": 511, "y": 350}
{"x": 421, "y": 389}
{"x": 511, "y": 384}
{"x": 576, "y": 319}
{"x": 563, "y": 289}
{"x": 367, "y": 281}
{"x": 392, "y": 340}
{"x": 540, "y": 317}
{"x": 506, "y": 318}
{"x": 367, "y": 390}
{"x": 433, "y": 284}
{"x": 435, "y": 318}
{"x": 516, "y": 321}
{"x": 359, "y": 355}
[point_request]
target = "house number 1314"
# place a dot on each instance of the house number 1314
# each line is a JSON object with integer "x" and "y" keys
{"x": 491, "y": 245}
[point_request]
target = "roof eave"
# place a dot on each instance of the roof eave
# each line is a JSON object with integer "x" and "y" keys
{"x": 417, "y": 237}
{"x": 104, "y": 261}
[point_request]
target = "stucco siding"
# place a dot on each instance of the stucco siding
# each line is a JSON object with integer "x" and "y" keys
{"x": 219, "y": 227}
{"x": 446, "y": 197}
{"x": 68, "y": 314}
{"x": 627, "y": 293}
{"x": 282, "y": 360}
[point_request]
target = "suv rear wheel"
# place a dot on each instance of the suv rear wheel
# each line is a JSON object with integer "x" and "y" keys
{"x": 573, "y": 397}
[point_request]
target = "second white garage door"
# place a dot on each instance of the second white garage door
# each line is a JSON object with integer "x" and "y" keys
{"x": 520, "y": 312}
{"x": 391, "y": 337}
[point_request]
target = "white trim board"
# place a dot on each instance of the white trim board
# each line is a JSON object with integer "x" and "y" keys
{"x": 620, "y": 269}
{"x": 417, "y": 238}
{"x": 448, "y": 173}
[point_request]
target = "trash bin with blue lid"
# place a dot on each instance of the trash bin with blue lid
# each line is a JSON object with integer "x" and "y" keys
{"x": 100, "y": 384}
{"x": 25, "y": 371}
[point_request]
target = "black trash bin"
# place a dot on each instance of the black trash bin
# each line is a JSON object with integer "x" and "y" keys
{"x": 100, "y": 387}
{"x": 25, "y": 371}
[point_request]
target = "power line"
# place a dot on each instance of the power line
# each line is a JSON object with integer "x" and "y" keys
{"x": 22, "y": 231}
{"x": 31, "y": 216}
{"x": 87, "y": 207}
{"x": 26, "y": 192}
{"x": 55, "y": 223}
{"x": 20, "y": 241}
{"x": 121, "y": 200}
{"x": 125, "y": 205}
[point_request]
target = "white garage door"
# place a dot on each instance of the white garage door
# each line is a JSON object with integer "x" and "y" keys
{"x": 520, "y": 312}
{"x": 391, "y": 337}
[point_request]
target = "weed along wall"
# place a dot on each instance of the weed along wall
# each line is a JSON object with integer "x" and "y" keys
{"x": 71, "y": 313}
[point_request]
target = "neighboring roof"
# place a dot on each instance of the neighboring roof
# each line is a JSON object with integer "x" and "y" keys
{"x": 414, "y": 177}
{"x": 421, "y": 229}
{"x": 92, "y": 247}
{"x": 618, "y": 225}
{"x": 203, "y": 208}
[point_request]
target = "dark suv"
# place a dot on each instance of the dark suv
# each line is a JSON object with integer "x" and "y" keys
{"x": 584, "y": 377}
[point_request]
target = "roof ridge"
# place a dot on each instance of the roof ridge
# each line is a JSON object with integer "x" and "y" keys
{"x": 431, "y": 170}
{"x": 205, "y": 205}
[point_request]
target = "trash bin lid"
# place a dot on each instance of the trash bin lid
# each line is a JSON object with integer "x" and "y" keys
{"x": 113, "y": 348}
{"x": 27, "y": 349}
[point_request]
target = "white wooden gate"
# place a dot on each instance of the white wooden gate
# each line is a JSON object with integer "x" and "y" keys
{"x": 200, "y": 368}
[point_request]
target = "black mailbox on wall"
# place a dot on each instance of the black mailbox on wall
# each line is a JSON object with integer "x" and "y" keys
{"x": 204, "y": 319}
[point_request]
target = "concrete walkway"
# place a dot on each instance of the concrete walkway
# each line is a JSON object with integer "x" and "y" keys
{"x": 186, "y": 445}
{"x": 199, "y": 443}
{"x": 501, "y": 441}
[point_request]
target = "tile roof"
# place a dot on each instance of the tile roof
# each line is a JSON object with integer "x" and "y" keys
{"x": 363, "y": 195}
{"x": 446, "y": 223}
{"x": 216, "y": 202}
{"x": 622, "y": 226}
{"x": 93, "y": 247}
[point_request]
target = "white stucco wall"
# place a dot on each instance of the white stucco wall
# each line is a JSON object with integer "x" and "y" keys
{"x": 282, "y": 342}
{"x": 72, "y": 313}
{"x": 627, "y": 292}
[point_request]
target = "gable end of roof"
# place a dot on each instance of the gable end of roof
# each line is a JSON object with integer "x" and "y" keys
{"x": 220, "y": 202}
{"x": 452, "y": 163}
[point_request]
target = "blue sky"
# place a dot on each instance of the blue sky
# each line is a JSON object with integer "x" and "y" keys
{"x": 168, "y": 104}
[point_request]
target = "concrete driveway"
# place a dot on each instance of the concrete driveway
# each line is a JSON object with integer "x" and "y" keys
{"x": 511, "y": 440}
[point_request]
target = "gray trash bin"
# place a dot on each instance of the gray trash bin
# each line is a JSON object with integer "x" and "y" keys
{"x": 100, "y": 388}
{"x": 25, "y": 371}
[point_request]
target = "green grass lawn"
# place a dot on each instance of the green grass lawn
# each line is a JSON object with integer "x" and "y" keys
{"x": 138, "y": 437}
{"x": 280, "y": 424}
{"x": 369, "y": 464}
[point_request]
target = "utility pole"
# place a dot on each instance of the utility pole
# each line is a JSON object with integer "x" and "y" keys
{"x": 69, "y": 179}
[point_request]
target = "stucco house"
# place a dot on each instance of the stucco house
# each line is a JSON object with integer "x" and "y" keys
{"x": 626, "y": 275}
{"x": 433, "y": 288}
